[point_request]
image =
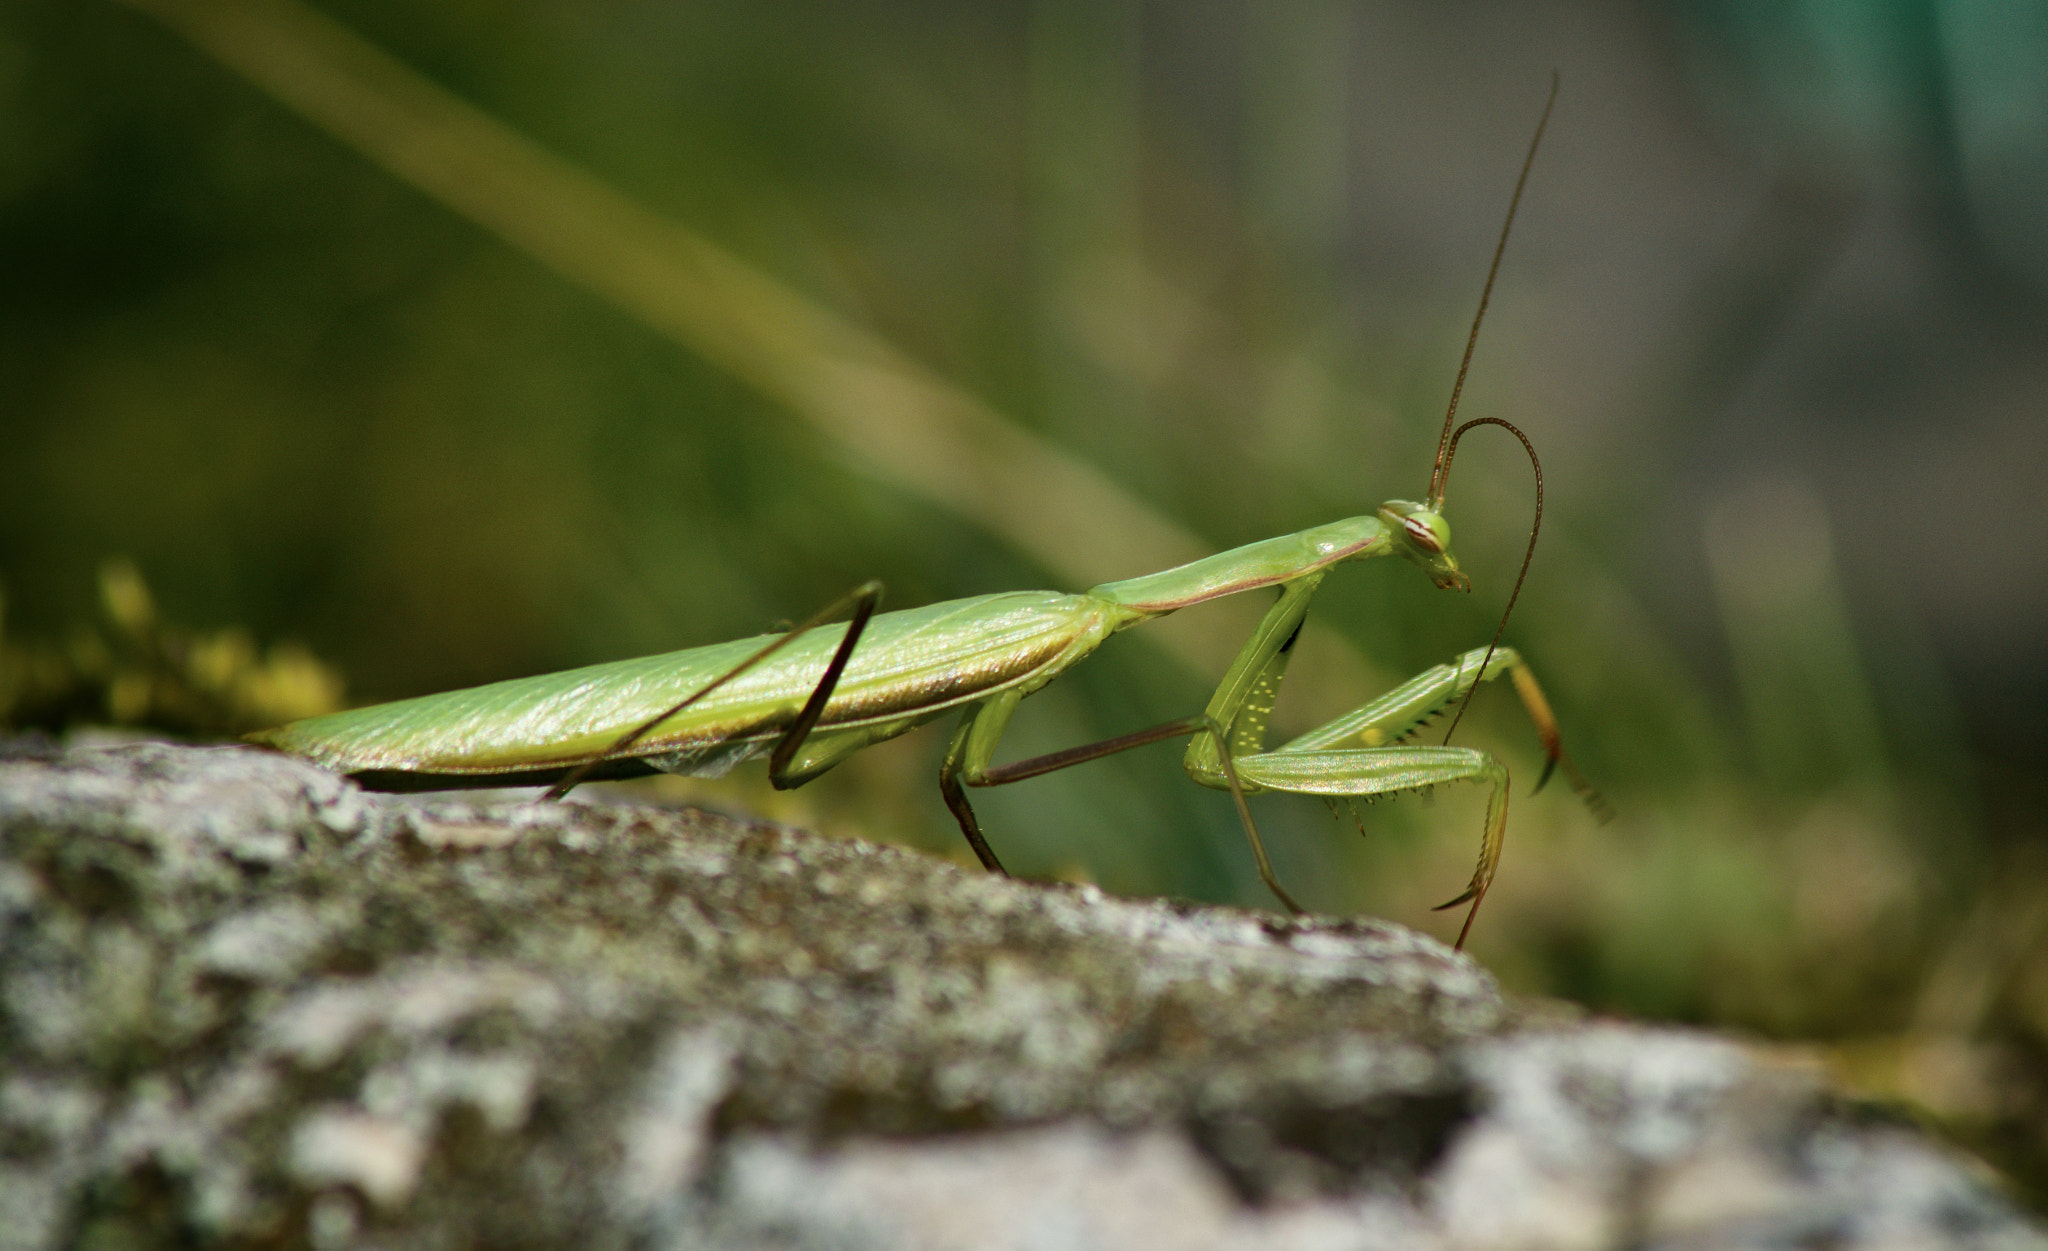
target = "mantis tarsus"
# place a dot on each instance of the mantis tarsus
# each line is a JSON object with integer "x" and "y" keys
{"x": 817, "y": 694}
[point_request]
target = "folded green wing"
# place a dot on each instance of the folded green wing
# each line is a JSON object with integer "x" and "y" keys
{"x": 909, "y": 666}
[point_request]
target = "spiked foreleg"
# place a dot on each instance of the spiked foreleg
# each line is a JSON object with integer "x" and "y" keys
{"x": 1381, "y": 771}
{"x": 1243, "y": 702}
{"x": 1402, "y": 711}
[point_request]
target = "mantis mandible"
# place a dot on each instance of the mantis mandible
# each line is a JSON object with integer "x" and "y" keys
{"x": 817, "y": 694}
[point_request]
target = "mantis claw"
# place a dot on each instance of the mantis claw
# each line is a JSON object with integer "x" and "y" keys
{"x": 1448, "y": 904}
{"x": 1475, "y": 893}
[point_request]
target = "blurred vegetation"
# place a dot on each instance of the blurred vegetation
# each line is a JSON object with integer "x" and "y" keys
{"x": 578, "y": 331}
{"x": 136, "y": 670}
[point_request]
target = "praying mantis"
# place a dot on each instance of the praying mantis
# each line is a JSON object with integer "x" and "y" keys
{"x": 815, "y": 695}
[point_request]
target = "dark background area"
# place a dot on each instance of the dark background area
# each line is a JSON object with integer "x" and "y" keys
{"x": 1773, "y": 314}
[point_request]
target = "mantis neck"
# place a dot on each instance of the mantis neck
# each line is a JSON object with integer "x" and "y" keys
{"x": 1269, "y": 562}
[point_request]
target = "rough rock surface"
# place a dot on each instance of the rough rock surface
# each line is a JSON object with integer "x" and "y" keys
{"x": 242, "y": 1001}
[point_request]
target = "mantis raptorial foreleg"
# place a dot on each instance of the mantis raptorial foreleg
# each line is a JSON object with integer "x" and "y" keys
{"x": 1360, "y": 753}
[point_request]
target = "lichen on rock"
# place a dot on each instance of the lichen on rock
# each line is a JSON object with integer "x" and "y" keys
{"x": 243, "y": 1000}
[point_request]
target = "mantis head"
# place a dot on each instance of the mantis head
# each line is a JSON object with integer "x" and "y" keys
{"x": 1424, "y": 537}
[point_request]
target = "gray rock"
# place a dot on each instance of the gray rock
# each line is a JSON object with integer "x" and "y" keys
{"x": 241, "y": 1000}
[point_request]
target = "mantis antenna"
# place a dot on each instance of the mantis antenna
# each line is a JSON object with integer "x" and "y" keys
{"x": 1447, "y": 443}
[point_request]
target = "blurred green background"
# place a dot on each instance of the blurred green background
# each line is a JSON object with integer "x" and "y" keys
{"x": 708, "y": 312}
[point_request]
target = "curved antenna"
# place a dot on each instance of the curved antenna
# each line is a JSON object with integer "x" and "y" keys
{"x": 1535, "y": 524}
{"x": 1441, "y": 473}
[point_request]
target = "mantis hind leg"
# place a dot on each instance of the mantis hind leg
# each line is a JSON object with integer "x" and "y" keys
{"x": 866, "y": 598}
{"x": 862, "y": 600}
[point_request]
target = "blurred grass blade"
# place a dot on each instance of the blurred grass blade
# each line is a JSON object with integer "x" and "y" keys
{"x": 894, "y": 418}
{"x": 891, "y": 417}
{"x": 1807, "y": 697}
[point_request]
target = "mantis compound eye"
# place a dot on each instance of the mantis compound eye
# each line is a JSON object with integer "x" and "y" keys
{"x": 1423, "y": 535}
{"x": 1425, "y": 528}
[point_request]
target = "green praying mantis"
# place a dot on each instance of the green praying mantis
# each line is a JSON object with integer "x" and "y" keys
{"x": 815, "y": 695}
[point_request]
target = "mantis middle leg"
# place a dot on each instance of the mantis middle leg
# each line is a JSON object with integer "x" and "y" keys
{"x": 970, "y": 755}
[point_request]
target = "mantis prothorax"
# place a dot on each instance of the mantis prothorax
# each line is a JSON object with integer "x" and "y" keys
{"x": 815, "y": 695}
